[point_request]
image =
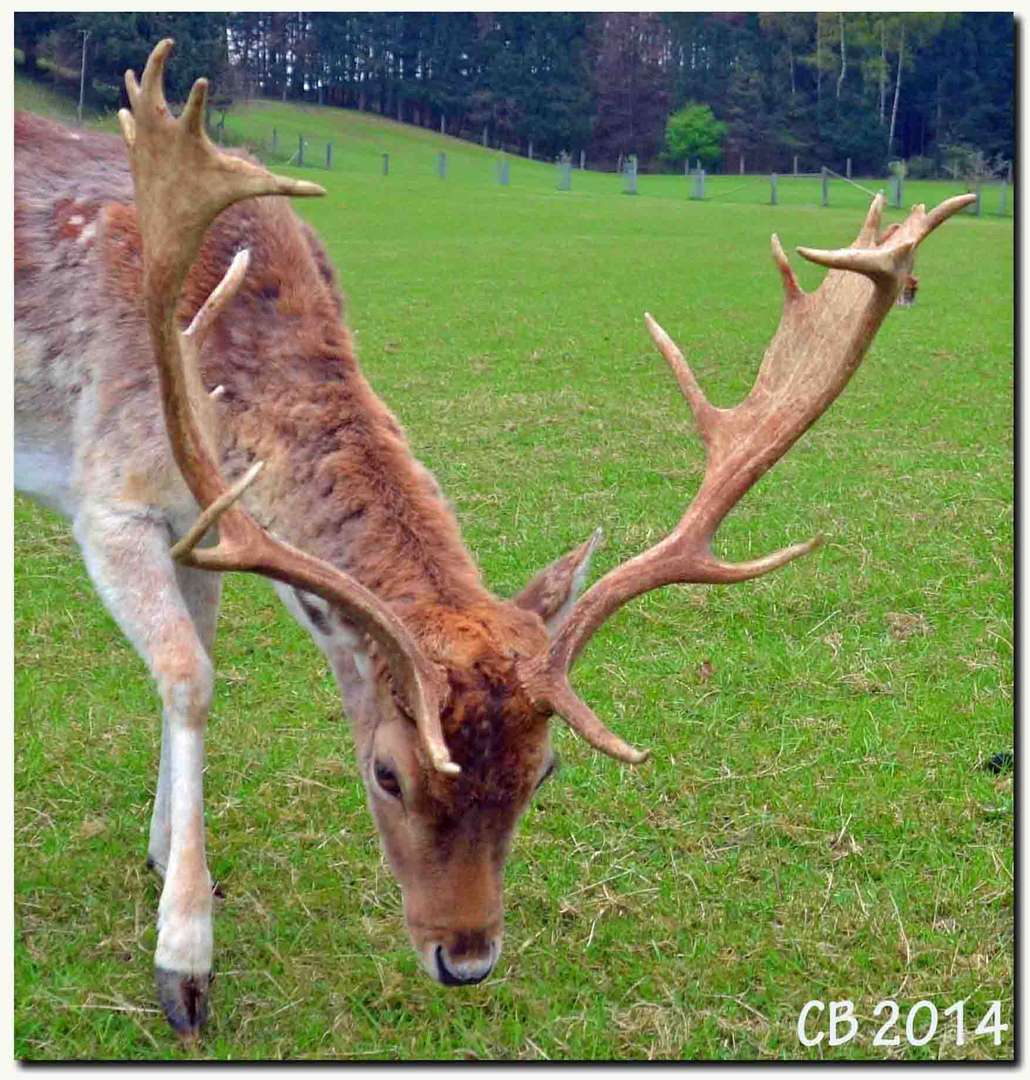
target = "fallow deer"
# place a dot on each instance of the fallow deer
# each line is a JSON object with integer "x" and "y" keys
{"x": 180, "y": 349}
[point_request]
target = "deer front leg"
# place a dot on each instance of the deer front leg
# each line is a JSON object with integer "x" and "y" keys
{"x": 126, "y": 553}
{"x": 202, "y": 592}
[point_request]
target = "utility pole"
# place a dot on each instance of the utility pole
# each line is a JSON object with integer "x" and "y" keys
{"x": 82, "y": 75}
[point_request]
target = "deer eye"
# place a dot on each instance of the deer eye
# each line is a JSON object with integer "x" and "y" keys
{"x": 387, "y": 780}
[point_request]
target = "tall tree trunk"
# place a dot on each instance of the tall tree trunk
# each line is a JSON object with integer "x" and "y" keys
{"x": 937, "y": 129}
{"x": 843, "y": 57}
{"x": 793, "y": 84}
{"x": 818, "y": 61}
{"x": 286, "y": 55}
{"x": 897, "y": 90}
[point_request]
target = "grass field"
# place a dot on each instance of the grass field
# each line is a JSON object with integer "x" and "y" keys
{"x": 816, "y": 820}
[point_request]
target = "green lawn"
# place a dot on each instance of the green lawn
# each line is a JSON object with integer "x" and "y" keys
{"x": 815, "y": 822}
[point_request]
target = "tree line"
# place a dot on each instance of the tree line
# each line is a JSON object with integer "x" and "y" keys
{"x": 875, "y": 87}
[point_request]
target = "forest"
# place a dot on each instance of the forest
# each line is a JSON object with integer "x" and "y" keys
{"x": 931, "y": 90}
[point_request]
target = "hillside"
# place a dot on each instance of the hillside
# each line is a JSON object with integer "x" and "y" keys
{"x": 359, "y": 139}
{"x": 38, "y": 97}
{"x": 272, "y": 130}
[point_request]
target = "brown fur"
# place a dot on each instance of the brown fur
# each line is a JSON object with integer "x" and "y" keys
{"x": 339, "y": 471}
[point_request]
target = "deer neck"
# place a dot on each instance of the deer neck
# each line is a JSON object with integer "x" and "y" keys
{"x": 341, "y": 483}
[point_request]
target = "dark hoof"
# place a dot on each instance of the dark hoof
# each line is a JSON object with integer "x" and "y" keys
{"x": 184, "y": 1000}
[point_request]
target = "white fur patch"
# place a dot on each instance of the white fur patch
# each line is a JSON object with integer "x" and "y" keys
{"x": 184, "y": 944}
{"x": 44, "y": 473}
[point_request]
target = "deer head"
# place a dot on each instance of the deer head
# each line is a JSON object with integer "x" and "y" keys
{"x": 451, "y": 703}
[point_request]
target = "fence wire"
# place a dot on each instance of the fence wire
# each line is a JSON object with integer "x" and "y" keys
{"x": 359, "y": 146}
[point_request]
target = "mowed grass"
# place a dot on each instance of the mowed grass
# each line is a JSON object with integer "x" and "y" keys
{"x": 816, "y": 820}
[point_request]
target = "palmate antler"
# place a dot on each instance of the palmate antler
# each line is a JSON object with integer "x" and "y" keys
{"x": 182, "y": 182}
{"x": 821, "y": 340}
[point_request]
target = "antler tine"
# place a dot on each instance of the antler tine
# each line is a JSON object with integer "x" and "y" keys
{"x": 132, "y": 90}
{"x": 791, "y": 289}
{"x": 819, "y": 343}
{"x": 196, "y": 104}
{"x": 152, "y": 87}
{"x": 563, "y": 700}
{"x": 875, "y": 262}
{"x": 945, "y": 210}
{"x": 213, "y": 306}
{"x": 182, "y": 182}
{"x": 705, "y": 414}
{"x": 870, "y": 231}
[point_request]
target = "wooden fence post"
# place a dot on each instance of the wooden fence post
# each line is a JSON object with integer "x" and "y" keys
{"x": 502, "y": 172}
{"x": 386, "y": 164}
{"x": 530, "y": 149}
{"x": 328, "y": 155}
{"x": 772, "y": 191}
{"x": 898, "y": 193}
{"x": 699, "y": 184}
{"x": 582, "y": 160}
{"x": 629, "y": 176}
{"x": 441, "y": 165}
{"x": 826, "y": 186}
{"x": 275, "y": 141}
{"x": 564, "y": 175}
{"x": 742, "y": 163}
{"x": 795, "y": 164}
{"x": 847, "y": 169}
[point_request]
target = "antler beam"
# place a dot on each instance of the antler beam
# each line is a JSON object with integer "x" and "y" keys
{"x": 182, "y": 183}
{"x": 821, "y": 339}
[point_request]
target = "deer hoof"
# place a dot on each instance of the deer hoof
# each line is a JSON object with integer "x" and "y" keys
{"x": 184, "y": 1000}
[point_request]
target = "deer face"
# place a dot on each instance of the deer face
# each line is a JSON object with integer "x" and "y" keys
{"x": 447, "y": 838}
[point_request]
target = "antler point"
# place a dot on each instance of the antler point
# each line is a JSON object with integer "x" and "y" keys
{"x": 128, "y": 126}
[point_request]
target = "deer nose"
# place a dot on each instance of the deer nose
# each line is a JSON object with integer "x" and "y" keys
{"x": 466, "y": 971}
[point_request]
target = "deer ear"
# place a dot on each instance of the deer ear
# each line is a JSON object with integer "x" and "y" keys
{"x": 553, "y": 592}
